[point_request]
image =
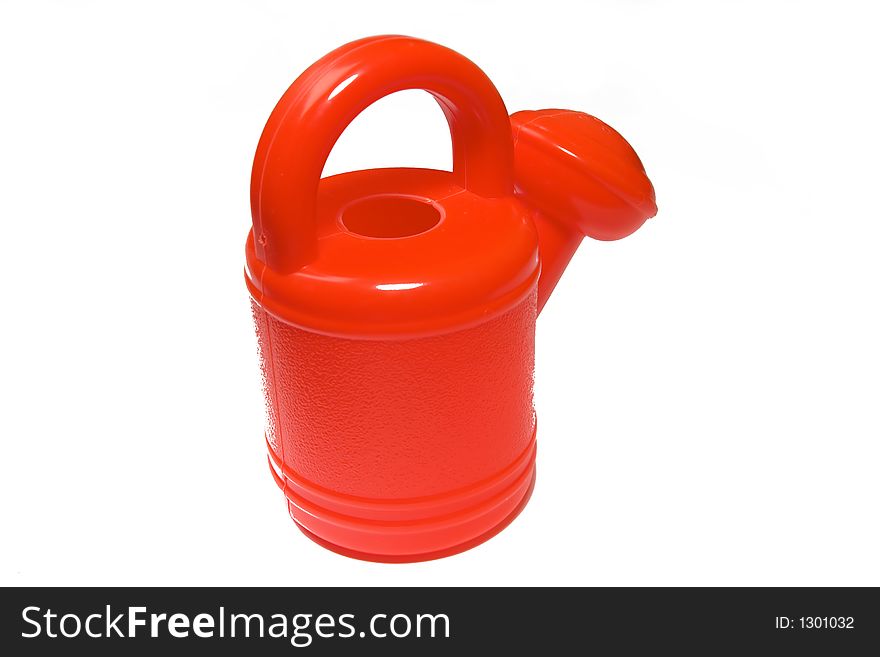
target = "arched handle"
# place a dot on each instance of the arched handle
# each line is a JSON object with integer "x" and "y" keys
{"x": 320, "y": 104}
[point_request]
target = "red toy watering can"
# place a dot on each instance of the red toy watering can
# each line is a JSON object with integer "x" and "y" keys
{"x": 395, "y": 308}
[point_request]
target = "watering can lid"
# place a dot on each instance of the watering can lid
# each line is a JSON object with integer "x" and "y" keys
{"x": 478, "y": 259}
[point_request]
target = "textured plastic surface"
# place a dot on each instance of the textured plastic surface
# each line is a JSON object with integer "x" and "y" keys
{"x": 395, "y": 309}
{"x": 402, "y": 448}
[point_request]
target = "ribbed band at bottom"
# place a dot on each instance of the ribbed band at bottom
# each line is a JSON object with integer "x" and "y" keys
{"x": 413, "y": 529}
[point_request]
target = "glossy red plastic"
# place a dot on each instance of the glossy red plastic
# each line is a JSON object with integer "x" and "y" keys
{"x": 395, "y": 308}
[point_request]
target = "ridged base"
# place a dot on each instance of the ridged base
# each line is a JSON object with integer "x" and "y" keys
{"x": 427, "y": 556}
{"x": 406, "y": 530}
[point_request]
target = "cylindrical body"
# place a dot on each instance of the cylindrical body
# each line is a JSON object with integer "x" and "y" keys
{"x": 402, "y": 449}
{"x": 395, "y": 312}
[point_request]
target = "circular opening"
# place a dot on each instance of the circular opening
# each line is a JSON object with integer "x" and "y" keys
{"x": 390, "y": 216}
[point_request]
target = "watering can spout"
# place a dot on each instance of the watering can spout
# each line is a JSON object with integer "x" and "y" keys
{"x": 581, "y": 178}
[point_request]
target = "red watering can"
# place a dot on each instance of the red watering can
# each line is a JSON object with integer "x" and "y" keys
{"x": 395, "y": 308}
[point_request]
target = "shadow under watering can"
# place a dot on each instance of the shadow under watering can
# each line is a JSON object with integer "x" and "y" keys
{"x": 395, "y": 308}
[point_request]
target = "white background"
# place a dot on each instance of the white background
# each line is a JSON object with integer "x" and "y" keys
{"x": 707, "y": 389}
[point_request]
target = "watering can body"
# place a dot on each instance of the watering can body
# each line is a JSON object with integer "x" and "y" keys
{"x": 395, "y": 309}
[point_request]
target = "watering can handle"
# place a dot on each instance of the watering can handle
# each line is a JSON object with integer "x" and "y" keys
{"x": 323, "y": 101}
